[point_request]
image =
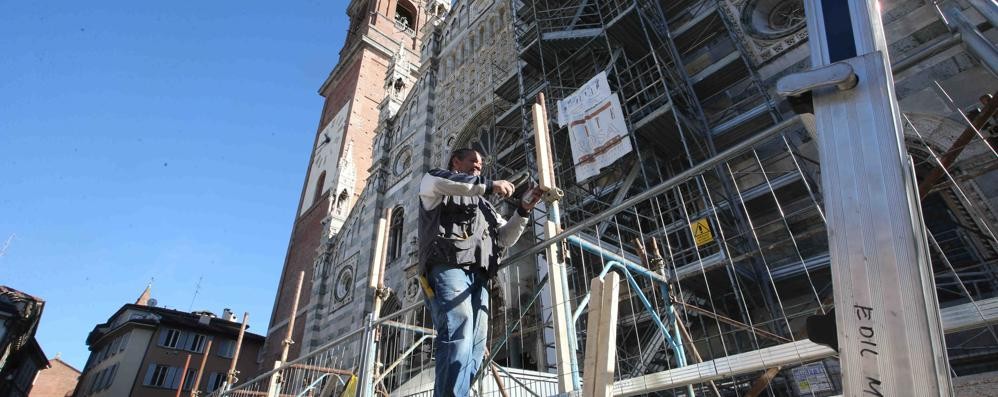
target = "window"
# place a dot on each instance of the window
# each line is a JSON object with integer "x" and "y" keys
{"x": 90, "y": 362}
{"x": 108, "y": 377}
{"x": 192, "y": 374}
{"x": 405, "y": 16}
{"x": 170, "y": 338}
{"x": 113, "y": 346}
{"x": 395, "y": 234}
{"x": 772, "y": 19}
{"x": 103, "y": 353}
{"x": 341, "y": 202}
{"x": 226, "y": 348}
{"x": 124, "y": 341}
{"x": 157, "y": 375}
{"x": 318, "y": 187}
{"x": 195, "y": 343}
{"x": 215, "y": 380}
{"x": 97, "y": 381}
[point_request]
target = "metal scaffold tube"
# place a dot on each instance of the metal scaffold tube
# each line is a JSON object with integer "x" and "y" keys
{"x": 684, "y": 176}
{"x": 889, "y": 331}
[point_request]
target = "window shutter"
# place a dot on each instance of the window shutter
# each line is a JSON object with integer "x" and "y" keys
{"x": 124, "y": 341}
{"x": 148, "y": 380}
{"x": 184, "y": 340}
{"x": 94, "y": 382}
{"x": 110, "y": 376}
{"x": 171, "y": 378}
{"x": 212, "y": 382}
{"x": 162, "y": 336}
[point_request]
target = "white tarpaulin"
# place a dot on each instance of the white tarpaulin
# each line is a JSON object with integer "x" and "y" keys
{"x": 596, "y": 127}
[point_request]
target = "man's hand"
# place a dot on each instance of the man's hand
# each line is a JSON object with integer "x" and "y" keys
{"x": 503, "y": 188}
{"x": 530, "y": 197}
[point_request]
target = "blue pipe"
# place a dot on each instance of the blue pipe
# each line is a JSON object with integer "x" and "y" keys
{"x": 554, "y": 216}
{"x": 626, "y": 268}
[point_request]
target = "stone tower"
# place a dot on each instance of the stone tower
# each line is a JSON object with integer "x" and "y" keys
{"x": 380, "y": 32}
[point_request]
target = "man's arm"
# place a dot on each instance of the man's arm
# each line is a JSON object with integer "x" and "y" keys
{"x": 438, "y": 183}
{"x": 449, "y": 183}
{"x": 510, "y": 231}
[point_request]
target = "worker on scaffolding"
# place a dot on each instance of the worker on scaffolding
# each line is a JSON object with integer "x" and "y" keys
{"x": 461, "y": 241}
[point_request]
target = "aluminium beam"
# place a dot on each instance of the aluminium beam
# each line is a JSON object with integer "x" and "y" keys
{"x": 737, "y": 364}
{"x": 970, "y": 315}
{"x": 890, "y": 333}
{"x": 955, "y": 319}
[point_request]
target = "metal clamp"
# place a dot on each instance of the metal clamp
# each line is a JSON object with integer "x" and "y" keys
{"x": 797, "y": 87}
{"x": 839, "y": 74}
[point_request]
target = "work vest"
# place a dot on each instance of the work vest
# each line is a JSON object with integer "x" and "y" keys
{"x": 460, "y": 232}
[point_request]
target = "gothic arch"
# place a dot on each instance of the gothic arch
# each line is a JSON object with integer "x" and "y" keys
{"x": 501, "y": 148}
{"x": 406, "y": 14}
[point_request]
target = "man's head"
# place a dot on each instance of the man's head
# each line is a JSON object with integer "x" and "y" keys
{"x": 466, "y": 161}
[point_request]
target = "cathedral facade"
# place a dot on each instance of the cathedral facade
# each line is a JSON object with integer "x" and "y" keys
{"x": 694, "y": 77}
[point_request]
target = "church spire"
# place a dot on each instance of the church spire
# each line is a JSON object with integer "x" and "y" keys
{"x": 144, "y": 298}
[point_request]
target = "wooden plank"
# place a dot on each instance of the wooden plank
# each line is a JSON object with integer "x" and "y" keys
{"x": 592, "y": 337}
{"x": 542, "y": 149}
{"x": 762, "y": 382}
{"x": 606, "y": 356}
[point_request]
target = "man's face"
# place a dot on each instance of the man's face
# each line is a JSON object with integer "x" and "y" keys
{"x": 471, "y": 164}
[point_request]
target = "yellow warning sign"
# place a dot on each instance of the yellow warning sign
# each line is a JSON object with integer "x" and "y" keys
{"x": 701, "y": 232}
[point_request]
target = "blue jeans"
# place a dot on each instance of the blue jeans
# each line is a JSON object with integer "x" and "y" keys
{"x": 460, "y": 311}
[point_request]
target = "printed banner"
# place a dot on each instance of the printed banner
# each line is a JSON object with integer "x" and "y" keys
{"x": 596, "y": 127}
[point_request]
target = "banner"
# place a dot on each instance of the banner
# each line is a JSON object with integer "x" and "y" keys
{"x": 596, "y": 127}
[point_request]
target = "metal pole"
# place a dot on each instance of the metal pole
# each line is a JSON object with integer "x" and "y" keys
{"x": 230, "y": 377}
{"x": 888, "y": 323}
{"x": 197, "y": 379}
{"x": 975, "y": 42}
{"x": 988, "y": 9}
{"x": 291, "y": 321}
{"x": 183, "y": 374}
{"x": 376, "y": 283}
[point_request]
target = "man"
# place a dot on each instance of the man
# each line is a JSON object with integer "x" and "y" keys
{"x": 461, "y": 239}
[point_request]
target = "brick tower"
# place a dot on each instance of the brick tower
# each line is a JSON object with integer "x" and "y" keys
{"x": 341, "y": 152}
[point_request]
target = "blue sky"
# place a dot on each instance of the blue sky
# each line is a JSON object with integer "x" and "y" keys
{"x": 162, "y": 140}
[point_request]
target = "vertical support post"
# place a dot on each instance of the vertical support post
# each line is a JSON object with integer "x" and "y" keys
{"x": 564, "y": 330}
{"x": 376, "y": 282}
{"x": 291, "y": 320}
{"x": 183, "y": 374}
{"x": 887, "y": 317}
{"x": 592, "y": 337}
{"x": 230, "y": 377}
{"x": 274, "y": 387}
{"x": 197, "y": 379}
{"x": 601, "y": 344}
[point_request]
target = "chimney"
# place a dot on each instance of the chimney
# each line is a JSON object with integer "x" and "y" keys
{"x": 228, "y": 315}
{"x": 204, "y": 319}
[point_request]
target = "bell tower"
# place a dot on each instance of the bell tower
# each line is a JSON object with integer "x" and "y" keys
{"x": 380, "y": 33}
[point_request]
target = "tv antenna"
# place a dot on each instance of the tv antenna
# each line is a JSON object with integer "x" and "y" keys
{"x": 3, "y": 249}
{"x": 197, "y": 288}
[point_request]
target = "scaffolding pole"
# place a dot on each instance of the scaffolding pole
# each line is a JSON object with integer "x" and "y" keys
{"x": 890, "y": 334}
{"x": 564, "y": 328}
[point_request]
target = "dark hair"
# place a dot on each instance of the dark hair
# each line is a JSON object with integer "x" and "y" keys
{"x": 459, "y": 154}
